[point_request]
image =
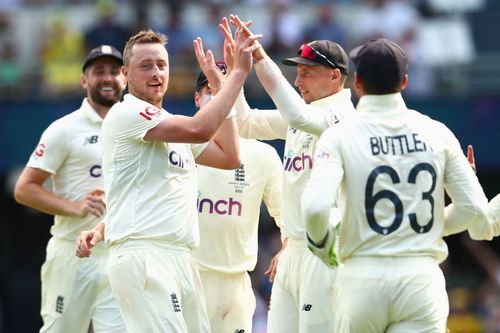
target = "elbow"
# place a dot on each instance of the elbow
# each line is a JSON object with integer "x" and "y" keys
{"x": 235, "y": 162}
{"x": 19, "y": 194}
{"x": 201, "y": 134}
{"x": 231, "y": 163}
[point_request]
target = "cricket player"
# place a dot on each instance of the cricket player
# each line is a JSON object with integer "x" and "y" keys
{"x": 303, "y": 286}
{"x": 389, "y": 169}
{"x": 149, "y": 158}
{"x": 76, "y": 292}
{"x": 228, "y": 211}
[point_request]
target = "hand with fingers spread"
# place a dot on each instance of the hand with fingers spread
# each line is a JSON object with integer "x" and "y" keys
{"x": 208, "y": 66}
{"x": 228, "y": 43}
{"x": 244, "y": 47}
{"x": 259, "y": 52}
{"x": 93, "y": 203}
{"x": 88, "y": 239}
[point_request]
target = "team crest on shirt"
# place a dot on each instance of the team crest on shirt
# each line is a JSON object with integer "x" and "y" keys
{"x": 239, "y": 182}
{"x": 307, "y": 141}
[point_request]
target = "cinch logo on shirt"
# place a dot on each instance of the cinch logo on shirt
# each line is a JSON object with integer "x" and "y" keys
{"x": 220, "y": 207}
{"x": 297, "y": 163}
{"x": 149, "y": 112}
{"x": 95, "y": 171}
{"x": 179, "y": 161}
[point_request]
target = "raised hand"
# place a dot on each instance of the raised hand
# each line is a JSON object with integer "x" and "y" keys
{"x": 208, "y": 66}
{"x": 228, "y": 43}
{"x": 244, "y": 47}
{"x": 259, "y": 52}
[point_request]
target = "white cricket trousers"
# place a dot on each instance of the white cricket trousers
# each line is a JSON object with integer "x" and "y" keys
{"x": 76, "y": 291}
{"x": 230, "y": 301}
{"x": 157, "y": 287}
{"x": 393, "y": 295}
{"x": 302, "y": 293}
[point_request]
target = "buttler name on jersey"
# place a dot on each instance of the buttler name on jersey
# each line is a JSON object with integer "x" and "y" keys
{"x": 397, "y": 144}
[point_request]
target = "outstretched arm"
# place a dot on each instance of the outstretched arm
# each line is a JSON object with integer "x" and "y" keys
{"x": 254, "y": 124}
{"x": 293, "y": 108}
{"x": 203, "y": 125}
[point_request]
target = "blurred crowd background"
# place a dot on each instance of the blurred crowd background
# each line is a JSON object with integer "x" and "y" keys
{"x": 454, "y": 50}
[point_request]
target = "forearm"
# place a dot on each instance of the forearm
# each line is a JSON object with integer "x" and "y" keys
{"x": 258, "y": 124}
{"x": 37, "y": 197}
{"x": 316, "y": 218}
{"x": 290, "y": 104}
{"x": 211, "y": 116}
{"x": 226, "y": 138}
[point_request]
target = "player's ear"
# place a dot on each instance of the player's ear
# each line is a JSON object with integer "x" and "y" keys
{"x": 404, "y": 83}
{"x": 335, "y": 74}
{"x": 197, "y": 101}
{"x": 83, "y": 80}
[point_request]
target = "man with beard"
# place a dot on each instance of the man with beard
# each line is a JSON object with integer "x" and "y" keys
{"x": 76, "y": 292}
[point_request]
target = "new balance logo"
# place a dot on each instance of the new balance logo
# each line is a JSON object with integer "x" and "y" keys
{"x": 91, "y": 140}
{"x": 59, "y": 304}
{"x": 239, "y": 174}
{"x": 307, "y": 307}
{"x": 175, "y": 302}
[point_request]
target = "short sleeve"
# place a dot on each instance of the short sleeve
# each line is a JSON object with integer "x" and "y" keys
{"x": 131, "y": 121}
{"x": 52, "y": 149}
{"x": 198, "y": 148}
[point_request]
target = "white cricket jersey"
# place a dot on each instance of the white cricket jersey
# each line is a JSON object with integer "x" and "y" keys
{"x": 150, "y": 185}
{"x": 392, "y": 166}
{"x": 300, "y": 142}
{"x": 229, "y": 204}
{"x": 70, "y": 149}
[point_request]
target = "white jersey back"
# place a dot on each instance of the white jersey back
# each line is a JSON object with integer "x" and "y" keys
{"x": 298, "y": 161}
{"x": 396, "y": 162}
{"x": 150, "y": 186}
{"x": 229, "y": 204}
{"x": 70, "y": 150}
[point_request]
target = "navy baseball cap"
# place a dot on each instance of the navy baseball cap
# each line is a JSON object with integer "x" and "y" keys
{"x": 321, "y": 52}
{"x": 102, "y": 51}
{"x": 380, "y": 63}
{"x": 202, "y": 78}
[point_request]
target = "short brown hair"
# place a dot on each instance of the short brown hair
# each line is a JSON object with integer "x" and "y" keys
{"x": 142, "y": 37}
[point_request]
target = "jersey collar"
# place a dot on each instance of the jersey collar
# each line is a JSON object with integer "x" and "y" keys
{"x": 89, "y": 111}
{"x": 382, "y": 104}
{"x": 340, "y": 97}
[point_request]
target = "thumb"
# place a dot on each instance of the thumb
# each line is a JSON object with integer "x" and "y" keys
{"x": 94, "y": 239}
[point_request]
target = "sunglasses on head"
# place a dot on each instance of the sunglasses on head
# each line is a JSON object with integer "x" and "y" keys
{"x": 308, "y": 52}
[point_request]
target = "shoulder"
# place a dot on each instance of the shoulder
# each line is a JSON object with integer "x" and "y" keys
{"x": 67, "y": 122}
{"x": 432, "y": 125}
{"x": 256, "y": 147}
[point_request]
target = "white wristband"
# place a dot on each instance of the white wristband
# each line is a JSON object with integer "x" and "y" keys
{"x": 232, "y": 113}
